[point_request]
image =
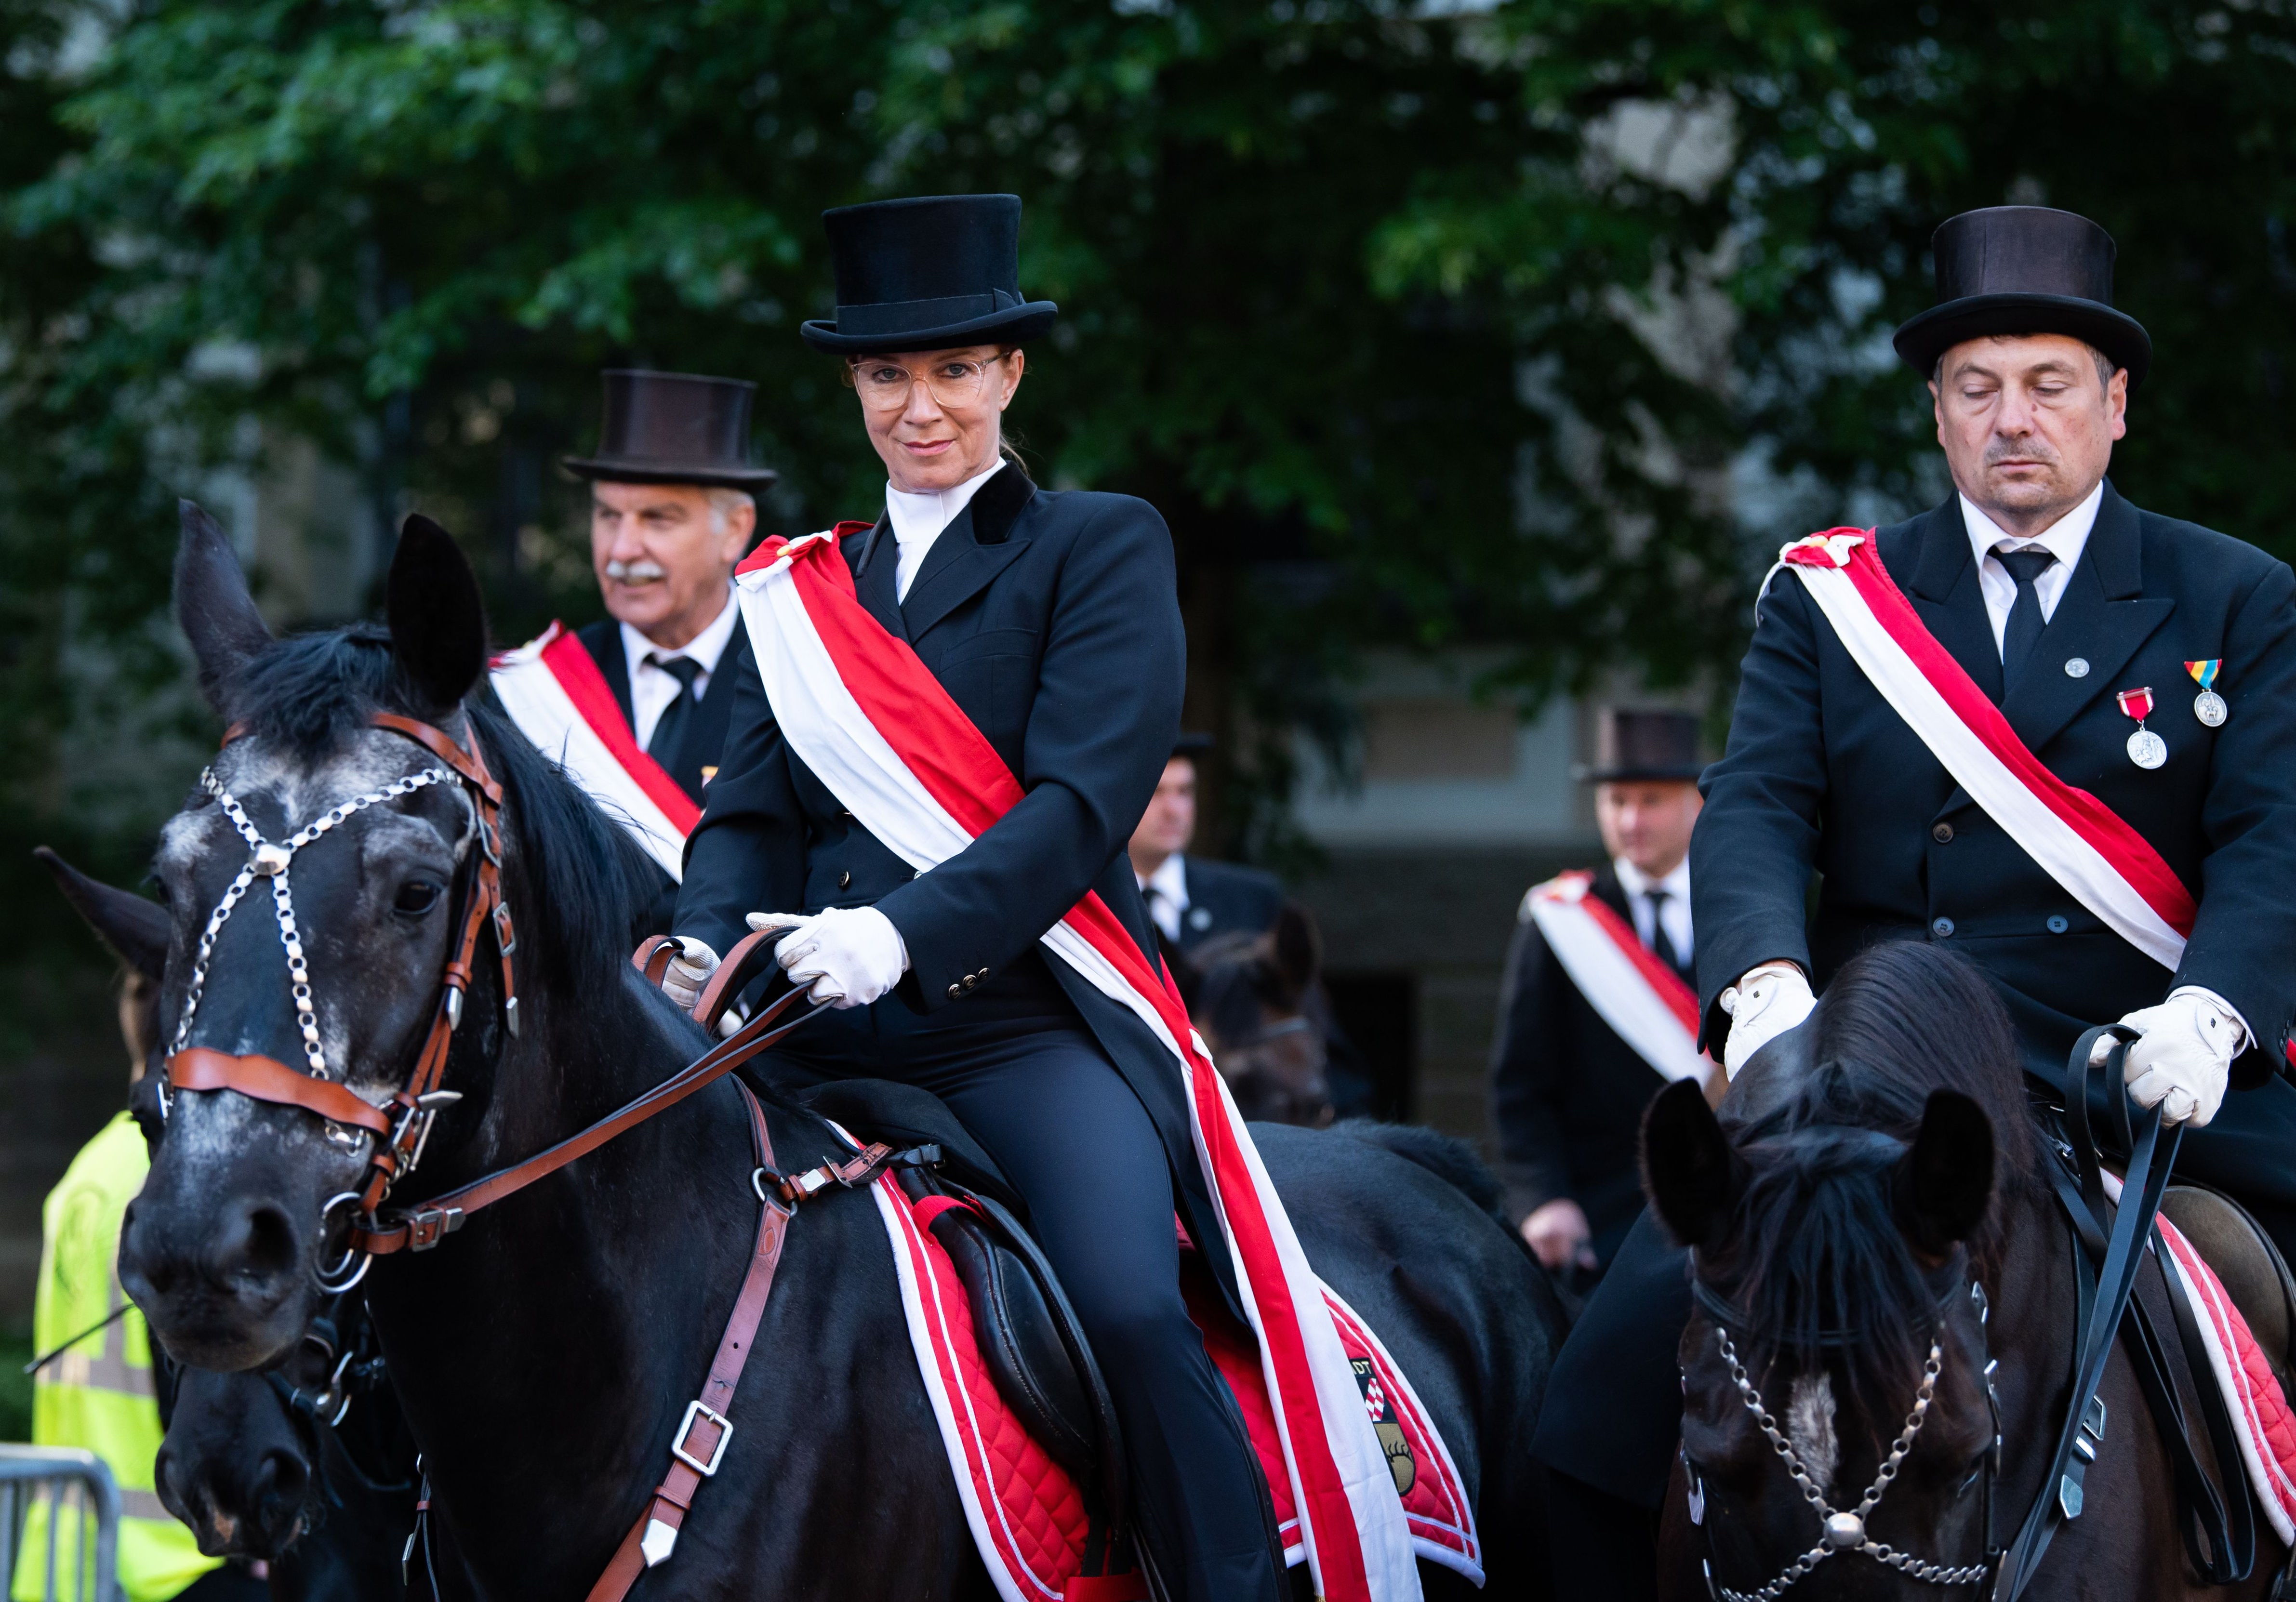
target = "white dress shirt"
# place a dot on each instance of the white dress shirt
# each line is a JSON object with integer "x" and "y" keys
{"x": 918, "y": 520}
{"x": 1166, "y": 890}
{"x": 2064, "y": 539}
{"x": 1638, "y": 885}
{"x": 652, "y": 690}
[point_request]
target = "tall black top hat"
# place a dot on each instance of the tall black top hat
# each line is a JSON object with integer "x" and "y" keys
{"x": 2023, "y": 270}
{"x": 674, "y": 428}
{"x": 928, "y": 275}
{"x": 1645, "y": 746}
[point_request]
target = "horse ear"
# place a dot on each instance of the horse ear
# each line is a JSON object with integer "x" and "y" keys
{"x": 1689, "y": 1171}
{"x": 1298, "y": 948}
{"x": 218, "y": 615}
{"x": 136, "y": 930}
{"x": 1944, "y": 1183}
{"x": 437, "y": 621}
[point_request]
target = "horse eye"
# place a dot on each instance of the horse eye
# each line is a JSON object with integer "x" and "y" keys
{"x": 417, "y": 896}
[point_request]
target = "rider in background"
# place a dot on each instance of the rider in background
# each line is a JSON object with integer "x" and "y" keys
{"x": 1051, "y": 619}
{"x": 1567, "y": 1092}
{"x": 2091, "y": 625}
{"x": 96, "y": 1392}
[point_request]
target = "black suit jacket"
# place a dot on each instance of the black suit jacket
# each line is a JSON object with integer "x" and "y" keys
{"x": 1052, "y": 619}
{"x": 1567, "y": 1093}
{"x": 1228, "y": 898}
{"x": 1821, "y": 774}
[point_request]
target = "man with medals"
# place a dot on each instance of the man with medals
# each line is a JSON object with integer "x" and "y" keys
{"x": 944, "y": 730}
{"x": 1597, "y": 1013}
{"x": 1964, "y": 722}
{"x": 634, "y": 707}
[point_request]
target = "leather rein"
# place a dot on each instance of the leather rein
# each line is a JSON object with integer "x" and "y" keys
{"x": 400, "y": 1127}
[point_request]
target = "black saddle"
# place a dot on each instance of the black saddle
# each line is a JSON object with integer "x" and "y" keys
{"x": 1034, "y": 1350}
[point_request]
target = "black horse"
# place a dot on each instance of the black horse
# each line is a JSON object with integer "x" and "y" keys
{"x": 1876, "y": 1225}
{"x": 546, "y": 1353}
{"x": 309, "y": 1466}
{"x": 1254, "y": 999}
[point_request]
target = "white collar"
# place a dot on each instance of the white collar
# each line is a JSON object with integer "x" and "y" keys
{"x": 921, "y": 518}
{"x": 705, "y": 647}
{"x": 1634, "y": 881}
{"x": 1171, "y": 879}
{"x": 2064, "y": 539}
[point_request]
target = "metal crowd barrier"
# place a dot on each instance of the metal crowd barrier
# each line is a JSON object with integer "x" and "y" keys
{"x": 59, "y": 1524}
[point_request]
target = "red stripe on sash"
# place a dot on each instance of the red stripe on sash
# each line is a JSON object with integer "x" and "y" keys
{"x": 931, "y": 735}
{"x": 576, "y": 673}
{"x": 1679, "y": 997}
{"x": 2128, "y": 853}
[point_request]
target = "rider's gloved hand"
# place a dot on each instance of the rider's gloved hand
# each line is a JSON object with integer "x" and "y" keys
{"x": 1763, "y": 1004}
{"x": 688, "y": 971}
{"x": 848, "y": 955}
{"x": 2184, "y": 1054}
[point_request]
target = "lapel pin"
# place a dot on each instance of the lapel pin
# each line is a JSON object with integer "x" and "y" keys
{"x": 2076, "y": 667}
{"x": 2146, "y": 749}
{"x": 2207, "y": 706}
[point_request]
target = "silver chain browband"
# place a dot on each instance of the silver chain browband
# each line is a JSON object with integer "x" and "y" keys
{"x": 1844, "y": 1532}
{"x": 268, "y": 860}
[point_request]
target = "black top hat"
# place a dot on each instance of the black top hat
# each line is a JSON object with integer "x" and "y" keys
{"x": 1193, "y": 743}
{"x": 2023, "y": 270}
{"x": 1647, "y": 746}
{"x": 674, "y": 428}
{"x": 928, "y": 275}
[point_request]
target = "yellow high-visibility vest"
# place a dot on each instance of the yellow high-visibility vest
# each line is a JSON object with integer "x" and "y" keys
{"x": 98, "y": 1395}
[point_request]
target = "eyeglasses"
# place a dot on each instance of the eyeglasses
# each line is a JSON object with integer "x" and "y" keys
{"x": 885, "y": 385}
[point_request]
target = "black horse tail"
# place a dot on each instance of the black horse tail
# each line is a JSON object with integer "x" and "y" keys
{"x": 1452, "y": 1161}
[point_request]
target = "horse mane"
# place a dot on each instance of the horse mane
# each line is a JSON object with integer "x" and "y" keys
{"x": 1819, "y": 1259}
{"x": 573, "y": 879}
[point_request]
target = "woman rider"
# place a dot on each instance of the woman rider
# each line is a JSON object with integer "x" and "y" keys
{"x": 1050, "y": 617}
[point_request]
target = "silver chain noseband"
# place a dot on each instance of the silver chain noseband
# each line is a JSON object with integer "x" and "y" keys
{"x": 1844, "y": 1532}
{"x": 268, "y": 860}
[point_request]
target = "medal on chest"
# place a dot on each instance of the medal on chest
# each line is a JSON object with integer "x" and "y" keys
{"x": 2146, "y": 749}
{"x": 2207, "y": 706}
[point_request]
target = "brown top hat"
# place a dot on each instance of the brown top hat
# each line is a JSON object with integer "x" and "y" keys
{"x": 674, "y": 428}
{"x": 1648, "y": 746}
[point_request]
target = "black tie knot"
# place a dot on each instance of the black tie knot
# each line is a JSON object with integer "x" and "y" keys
{"x": 684, "y": 669}
{"x": 2026, "y": 566}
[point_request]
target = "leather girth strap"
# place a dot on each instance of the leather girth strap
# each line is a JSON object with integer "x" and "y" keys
{"x": 702, "y": 1434}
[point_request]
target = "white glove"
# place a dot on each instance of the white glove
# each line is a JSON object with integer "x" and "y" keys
{"x": 850, "y": 955}
{"x": 1763, "y": 1004}
{"x": 2183, "y": 1055}
{"x": 688, "y": 971}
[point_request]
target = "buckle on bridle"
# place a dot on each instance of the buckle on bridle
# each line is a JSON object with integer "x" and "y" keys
{"x": 698, "y": 1411}
{"x": 427, "y": 1226}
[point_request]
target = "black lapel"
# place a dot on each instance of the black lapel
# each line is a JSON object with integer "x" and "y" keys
{"x": 604, "y": 641}
{"x": 1946, "y": 597}
{"x": 876, "y": 561}
{"x": 970, "y": 551}
{"x": 2102, "y": 618}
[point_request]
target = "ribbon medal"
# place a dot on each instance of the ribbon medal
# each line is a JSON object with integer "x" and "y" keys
{"x": 2146, "y": 749}
{"x": 2207, "y": 706}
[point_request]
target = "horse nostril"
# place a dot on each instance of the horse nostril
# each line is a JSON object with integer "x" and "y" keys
{"x": 258, "y": 1245}
{"x": 281, "y": 1484}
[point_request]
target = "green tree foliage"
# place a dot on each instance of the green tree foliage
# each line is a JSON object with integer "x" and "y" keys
{"x": 1533, "y": 325}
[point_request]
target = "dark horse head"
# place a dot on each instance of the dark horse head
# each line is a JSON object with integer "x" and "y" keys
{"x": 1845, "y": 1241}
{"x": 1254, "y": 998}
{"x": 224, "y": 1247}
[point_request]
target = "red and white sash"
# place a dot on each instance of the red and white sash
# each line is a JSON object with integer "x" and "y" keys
{"x": 1640, "y": 997}
{"x": 873, "y": 723}
{"x": 2082, "y": 844}
{"x": 553, "y": 691}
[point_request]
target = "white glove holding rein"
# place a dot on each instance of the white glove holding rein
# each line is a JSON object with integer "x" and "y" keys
{"x": 688, "y": 971}
{"x": 851, "y": 956}
{"x": 2183, "y": 1055}
{"x": 1763, "y": 1004}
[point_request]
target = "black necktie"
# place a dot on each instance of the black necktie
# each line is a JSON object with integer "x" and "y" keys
{"x": 669, "y": 728}
{"x": 2023, "y": 632}
{"x": 1661, "y": 946}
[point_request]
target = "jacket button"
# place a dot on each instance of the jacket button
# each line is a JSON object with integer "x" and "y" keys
{"x": 971, "y": 980}
{"x": 1941, "y": 927}
{"x": 2059, "y": 923}
{"x": 955, "y": 991}
{"x": 1941, "y": 833}
{"x": 845, "y": 880}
